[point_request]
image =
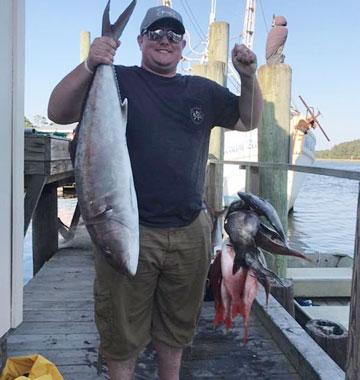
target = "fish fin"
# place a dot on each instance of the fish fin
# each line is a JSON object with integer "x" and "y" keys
{"x": 239, "y": 257}
{"x": 228, "y": 323}
{"x": 215, "y": 277}
{"x": 277, "y": 247}
{"x": 219, "y": 315}
{"x": 115, "y": 30}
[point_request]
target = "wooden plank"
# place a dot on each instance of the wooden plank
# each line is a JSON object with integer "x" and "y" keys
{"x": 34, "y": 148}
{"x": 55, "y": 328}
{"x": 33, "y": 343}
{"x": 46, "y": 148}
{"x": 353, "y": 357}
{"x": 32, "y": 304}
{"x": 50, "y": 168}
{"x": 70, "y": 357}
{"x": 339, "y": 173}
{"x": 59, "y": 149}
{"x": 59, "y": 324}
{"x": 59, "y": 316}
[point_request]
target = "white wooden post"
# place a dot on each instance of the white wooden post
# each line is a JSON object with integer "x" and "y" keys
{"x": 12, "y": 27}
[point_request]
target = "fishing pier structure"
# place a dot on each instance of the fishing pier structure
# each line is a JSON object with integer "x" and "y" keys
{"x": 58, "y": 317}
{"x": 47, "y": 166}
{"x": 53, "y": 314}
{"x": 59, "y": 324}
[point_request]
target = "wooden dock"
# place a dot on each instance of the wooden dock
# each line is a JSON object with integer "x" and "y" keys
{"x": 58, "y": 304}
{"x": 58, "y": 323}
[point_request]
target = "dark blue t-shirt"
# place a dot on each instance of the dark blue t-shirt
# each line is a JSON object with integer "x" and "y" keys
{"x": 168, "y": 131}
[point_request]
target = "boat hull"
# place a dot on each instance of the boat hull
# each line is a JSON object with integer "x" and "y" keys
{"x": 244, "y": 147}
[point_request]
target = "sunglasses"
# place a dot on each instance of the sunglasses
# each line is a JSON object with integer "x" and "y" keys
{"x": 158, "y": 34}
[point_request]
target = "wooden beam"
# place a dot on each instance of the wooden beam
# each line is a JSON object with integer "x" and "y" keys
{"x": 34, "y": 187}
{"x": 353, "y": 355}
{"x": 339, "y": 173}
{"x": 3, "y": 351}
{"x": 45, "y": 228}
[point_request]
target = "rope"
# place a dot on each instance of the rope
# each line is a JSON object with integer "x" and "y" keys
{"x": 252, "y": 102}
{"x": 263, "y": 16}
{"x": 193, "y": 19}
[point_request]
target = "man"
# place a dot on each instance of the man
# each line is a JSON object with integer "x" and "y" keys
{"x": 169, "y": 123}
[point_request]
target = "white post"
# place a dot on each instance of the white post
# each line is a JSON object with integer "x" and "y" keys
{"x": 12, "y": 32}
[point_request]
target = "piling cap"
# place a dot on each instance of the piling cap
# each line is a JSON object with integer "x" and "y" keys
{"x": 163, "y": 13}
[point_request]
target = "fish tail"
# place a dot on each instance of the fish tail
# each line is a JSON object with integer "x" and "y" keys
{"x": 228, "y": 323}
{"x": 219, "y": 315}
{"x": 115, "y": 30}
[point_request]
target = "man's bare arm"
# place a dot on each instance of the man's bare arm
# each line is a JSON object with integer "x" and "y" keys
{"x": 68, "y": 97}
{"x": 250, "y": 101}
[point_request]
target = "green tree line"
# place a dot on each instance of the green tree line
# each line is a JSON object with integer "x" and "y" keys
{"x": 346, "y": 150}
{"x": 27, "y": 123}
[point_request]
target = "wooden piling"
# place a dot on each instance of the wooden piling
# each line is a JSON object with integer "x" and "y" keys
{"x": 3, "y": 351}
{"x": 353, "y": 354}
{"x": 84, "y": 45}
{"x": 216, "y": 70}
{"x": 274, "y": 143}
{"x": 331, "y": 337}
{"x": 284, "y": 294}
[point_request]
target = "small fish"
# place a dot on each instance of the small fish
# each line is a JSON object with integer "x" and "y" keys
{"x": 241, "y": 226}
{"x": 264, "y": 208}
{"x": 233, "y": 294}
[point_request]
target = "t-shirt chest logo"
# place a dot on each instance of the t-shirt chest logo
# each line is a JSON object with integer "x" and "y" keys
{"x": 197, "y": 115}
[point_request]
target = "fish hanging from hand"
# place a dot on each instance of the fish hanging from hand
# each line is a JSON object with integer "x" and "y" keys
{"x": 239, "y": 268}
{"x": 103, "y": 175}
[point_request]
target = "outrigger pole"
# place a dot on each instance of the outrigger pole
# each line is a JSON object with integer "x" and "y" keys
{"x": 314, "y": 117}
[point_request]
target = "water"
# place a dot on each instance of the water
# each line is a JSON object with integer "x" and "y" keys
{"x": 324, "y": 214}
{"x": 323, "y": 220}
{"x": 66, "y": 207}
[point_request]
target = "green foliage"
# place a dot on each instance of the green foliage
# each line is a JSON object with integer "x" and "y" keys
{"x": 347, "y": 150}
{"x": 27, "y": 123}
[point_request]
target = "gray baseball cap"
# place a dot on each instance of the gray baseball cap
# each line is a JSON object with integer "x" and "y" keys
{"x": 162, "y": 12}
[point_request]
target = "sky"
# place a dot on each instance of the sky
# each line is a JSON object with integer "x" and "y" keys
{"x": 321, "y": 48}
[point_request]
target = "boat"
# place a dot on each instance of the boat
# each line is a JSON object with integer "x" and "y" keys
{"x": 322, "y": 290}
{"x": 243, "y": 147}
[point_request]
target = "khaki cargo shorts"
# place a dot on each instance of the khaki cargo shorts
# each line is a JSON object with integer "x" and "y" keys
{"x": 163, "y": 301}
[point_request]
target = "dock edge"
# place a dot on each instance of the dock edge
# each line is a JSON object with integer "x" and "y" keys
{"x": 308, "y": 358}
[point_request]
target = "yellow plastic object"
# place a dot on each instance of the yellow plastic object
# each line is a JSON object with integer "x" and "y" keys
{"x": 34, "y": 367}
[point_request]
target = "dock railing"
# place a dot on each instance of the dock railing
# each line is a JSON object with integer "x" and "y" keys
{"x": 252, "y": 185}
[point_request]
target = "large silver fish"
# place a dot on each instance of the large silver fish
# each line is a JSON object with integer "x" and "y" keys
{"x": 104, "y": 180}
